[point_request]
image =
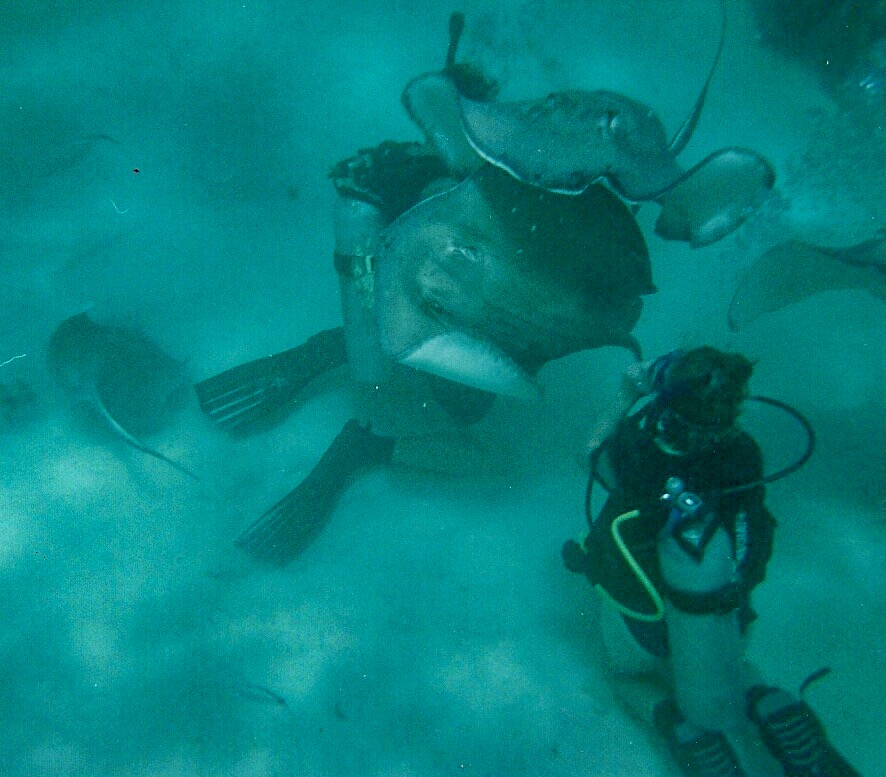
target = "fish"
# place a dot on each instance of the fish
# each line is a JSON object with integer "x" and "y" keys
{"x": 534, "y": 251}
{"x": 794, "y": 270}
{"x": 573, "y": 139}
{"x": 489, "y": 280}
{"x": 120, "y": 377}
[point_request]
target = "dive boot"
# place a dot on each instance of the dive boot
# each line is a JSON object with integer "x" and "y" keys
{"x": 699, "y": 752}
{"x": 285, "y": 530}
{"x": 794, "y": 735}
{"x": 260, "y": 394}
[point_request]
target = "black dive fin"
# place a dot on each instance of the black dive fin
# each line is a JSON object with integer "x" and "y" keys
{"x": 259, "y": 394}
{"x": 285, "y": 530}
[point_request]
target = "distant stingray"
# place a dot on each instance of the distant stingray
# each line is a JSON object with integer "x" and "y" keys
{"x": 792, "y": 271}
{"x": 121, "y": 376}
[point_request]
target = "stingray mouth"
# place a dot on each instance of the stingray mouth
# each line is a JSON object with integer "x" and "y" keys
{"x": 477, "y": 363}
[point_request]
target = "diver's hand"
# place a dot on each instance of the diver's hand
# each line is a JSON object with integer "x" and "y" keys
{"x": 634, "y": 385}
{"x": 603, "y": 429}
{"x": 635, "y": 381}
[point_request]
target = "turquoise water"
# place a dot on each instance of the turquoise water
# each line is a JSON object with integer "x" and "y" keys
{"x": 164, "y": 164}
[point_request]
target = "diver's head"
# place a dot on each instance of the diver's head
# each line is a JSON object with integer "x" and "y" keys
{"x": 700, "y": 393}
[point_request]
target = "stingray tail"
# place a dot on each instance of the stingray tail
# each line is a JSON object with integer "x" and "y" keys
{"x": 132, "y": 440}
{"x": 257, "y": 395}
{"x": 285, "y": 530}
{"x": 456, "y": 28}
{"x": 684, "y": 134}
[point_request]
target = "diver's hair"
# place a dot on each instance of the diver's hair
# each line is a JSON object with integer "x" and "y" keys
{"x": 707, "y": 386}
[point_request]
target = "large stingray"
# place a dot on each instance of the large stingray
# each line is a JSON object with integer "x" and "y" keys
{"x": 570, "y": 140}
{"x": 792, "y": 271}
{"x": 489, "y": 280}
{"x": 119, "y": 376}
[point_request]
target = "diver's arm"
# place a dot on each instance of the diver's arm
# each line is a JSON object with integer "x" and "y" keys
{"x": 635, "y": 384}
{"x": 357, "y": 226}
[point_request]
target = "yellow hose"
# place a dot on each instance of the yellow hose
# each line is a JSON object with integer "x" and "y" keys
{"x": 638, "y": 571}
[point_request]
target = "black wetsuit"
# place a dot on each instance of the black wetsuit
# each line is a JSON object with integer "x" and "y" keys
{"x": 635, "y": 470}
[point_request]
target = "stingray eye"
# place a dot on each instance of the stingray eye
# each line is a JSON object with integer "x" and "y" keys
{"x": 609, "y": 122}
{"x": 461, "y": 254}
{"x": 433, "y": 307}
{"x": 615, "y": 123}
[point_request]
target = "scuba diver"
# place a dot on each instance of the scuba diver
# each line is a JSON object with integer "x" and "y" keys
{"x": 402, "y": 416}
{"x": 680, "y": 543}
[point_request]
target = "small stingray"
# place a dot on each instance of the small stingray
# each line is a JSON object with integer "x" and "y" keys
{"x": 121, "y": 376}
{"x": 792, "y": 271}
{"x": 570, "y": 140}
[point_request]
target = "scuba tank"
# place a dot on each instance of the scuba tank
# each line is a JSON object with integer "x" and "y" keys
{"x": 696, "y": 559}
{"x": 357, "y": 228}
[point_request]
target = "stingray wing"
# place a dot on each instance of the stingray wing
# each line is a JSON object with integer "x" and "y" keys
{"x": 432, "y": 102}
{"x": 715, "y": 197}
{"x": 141, "y": 385}
{"x": 792, "y": 271}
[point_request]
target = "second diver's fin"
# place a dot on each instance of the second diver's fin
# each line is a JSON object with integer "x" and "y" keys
{"x": 259, "y": 394}
{"x": 285, "y": 530}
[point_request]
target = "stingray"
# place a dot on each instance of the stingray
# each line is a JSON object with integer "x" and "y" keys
{"x": 792, "y": 271}
{"x": 570, "y": 140}
{"x": 119, "y": 376}
{"x": 486, "y": 282}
